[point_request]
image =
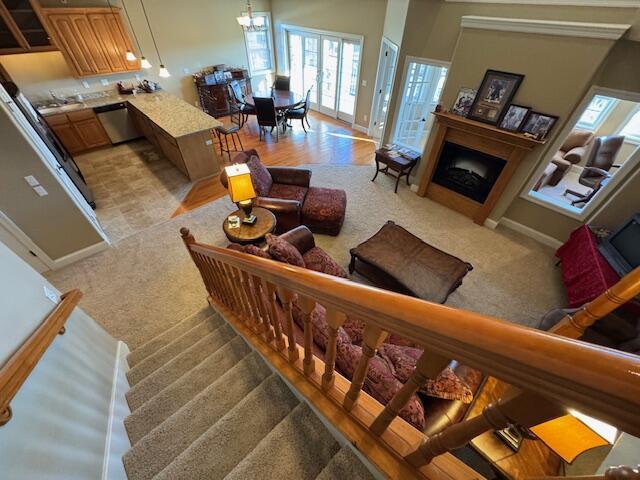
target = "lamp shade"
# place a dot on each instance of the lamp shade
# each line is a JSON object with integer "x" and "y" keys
{"x": 239, "y": 182}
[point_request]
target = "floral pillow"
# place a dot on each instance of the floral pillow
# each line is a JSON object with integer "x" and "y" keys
{"x": 260, "y": 176}
{"x": 318, "y": 260}
{"x": 355, "y": 330}
{"x": 258, "y": 252}
{"x": 319, "y": 325}
{"x": 283, "y": 251}
{"x": 446, "y": 385}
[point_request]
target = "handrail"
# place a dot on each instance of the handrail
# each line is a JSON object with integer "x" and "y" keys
{"x": 16, "y": 370}
{"x": 549, "y": 372}
{"x": 597, "y": 380}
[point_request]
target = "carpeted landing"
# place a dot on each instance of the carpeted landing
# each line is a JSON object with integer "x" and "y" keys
{"x": 205, "y": 406}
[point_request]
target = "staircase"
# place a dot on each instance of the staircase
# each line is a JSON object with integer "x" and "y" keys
{"x": 205, "y": 406}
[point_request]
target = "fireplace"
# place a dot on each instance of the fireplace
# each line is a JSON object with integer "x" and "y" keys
{"x": 467, "y": 171}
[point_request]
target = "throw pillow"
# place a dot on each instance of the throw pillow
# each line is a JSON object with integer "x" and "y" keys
{"x": 260, "y": 176}
{"x": 355, "y": 330}
{"x": 283, "y": 251}
{"x": 318, "y": 260}
{"x": 258, "y": 252}
{"x": 236, "y": 246}
{"x": 446, "y": 385}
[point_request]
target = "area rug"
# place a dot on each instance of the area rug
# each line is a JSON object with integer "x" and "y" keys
{"x": 147, "y": 281}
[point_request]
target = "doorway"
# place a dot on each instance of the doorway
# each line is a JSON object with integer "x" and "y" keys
{"x": 423, "y": 81}
{"x": 384, "y": 85}
{"x": 329, "y": 65}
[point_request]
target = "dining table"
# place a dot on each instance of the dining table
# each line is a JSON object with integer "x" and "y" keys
{"x": 282, "y": 99}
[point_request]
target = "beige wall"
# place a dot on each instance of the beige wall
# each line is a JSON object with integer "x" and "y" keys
{"x": 359, "y": 17}
{"x": 190, "y": 35}
{"x": 394, "y": 20}
{"x": 53, "y": 222}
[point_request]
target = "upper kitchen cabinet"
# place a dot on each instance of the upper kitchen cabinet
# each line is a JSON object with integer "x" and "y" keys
{"x": 22, "y": 28}
{"x": 94, "y": 41}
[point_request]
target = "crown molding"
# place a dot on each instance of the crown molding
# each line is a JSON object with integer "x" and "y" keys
{"x": 572, "y": 3}
{"x": 607, "y": 31}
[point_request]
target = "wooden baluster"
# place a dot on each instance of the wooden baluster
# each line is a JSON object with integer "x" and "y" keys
{"x": 254, "y": 316}
{"x": 524, "y": 409}
{"x": 263, "y": 307}
{"x": 286, "y": 296}
{"x": 238, "y": 292}
{"x": 211, "y": 281}
{"x": 373, "y": 338}
{"x": 429, "y": 365}
{"x": 275, "y": 320}
{"x": 334, "y": 320}
{"x": 307, "y": 305}
{"x": 224, "y": 293}
{"x": 262, "y": 323}
{"x": 573, "y": 326}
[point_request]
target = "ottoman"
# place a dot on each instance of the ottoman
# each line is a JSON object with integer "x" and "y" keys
{"x": 324, "y": 209}
{"x": 397, "y": 260}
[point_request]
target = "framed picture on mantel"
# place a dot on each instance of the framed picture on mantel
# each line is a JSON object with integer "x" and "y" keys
{"x": 494, "y": 96}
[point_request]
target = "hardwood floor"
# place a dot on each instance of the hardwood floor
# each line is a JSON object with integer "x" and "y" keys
{"x": 328, "y": 141}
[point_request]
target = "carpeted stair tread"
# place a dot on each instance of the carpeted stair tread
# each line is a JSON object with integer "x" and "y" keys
{"x": 298, "y": 447}
{"x": 345, "y": 464}
{"x": 165, "y": 442}
{"x": 156, "y": 410}
{"x": 164, "y": 376}
{"x": 235, "y": 435}
{"x": 166, "y": 337}
{"x": 177, "y": 346}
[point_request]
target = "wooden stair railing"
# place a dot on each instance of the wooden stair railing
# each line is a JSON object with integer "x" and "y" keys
{"x": 16, "y": 370}
{"x": 549, "y": 373}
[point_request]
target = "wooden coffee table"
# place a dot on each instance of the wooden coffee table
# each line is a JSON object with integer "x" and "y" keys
{"x": 245, "y": 234}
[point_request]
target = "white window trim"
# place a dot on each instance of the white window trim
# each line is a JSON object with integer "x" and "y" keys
{"x": 601, "y": 119}
{"x": 583, "y": 214}
{"x": 573, "y": 3}
{"x": 271, "y": 46}
{"x": 632, "y": 140}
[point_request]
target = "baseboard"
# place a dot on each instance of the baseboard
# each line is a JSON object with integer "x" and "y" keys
{"x": 117, "y": 442}
{"x": 360, "y": 128}
{"x": 492, "y": 224}
{"x": 414, "y": 187}
{"x": 530, "y": 232}
{"x": 79, "y": 255}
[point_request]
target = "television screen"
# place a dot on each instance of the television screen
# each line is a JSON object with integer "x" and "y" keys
{"x": 627, "y": 243}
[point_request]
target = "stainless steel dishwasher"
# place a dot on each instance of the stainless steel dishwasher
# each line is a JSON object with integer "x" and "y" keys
{"x": 116, "y": 121}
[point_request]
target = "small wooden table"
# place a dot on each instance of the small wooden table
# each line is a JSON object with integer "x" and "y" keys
{"x": 282, "y": 99}
{"x": 400, "y": 160}
{"x": 245, "y": 234}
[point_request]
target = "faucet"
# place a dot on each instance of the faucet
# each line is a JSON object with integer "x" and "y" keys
{"x": 56, "y": 98}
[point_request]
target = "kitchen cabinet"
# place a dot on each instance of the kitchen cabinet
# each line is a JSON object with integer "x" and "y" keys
{"x": 94, "y": 41}
{"x": 23, "y": 28}
{"x": 78, "y": 131}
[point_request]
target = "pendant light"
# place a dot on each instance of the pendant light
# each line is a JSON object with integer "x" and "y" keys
{"x": 163, "y": 72}
{"x": 130, "y": 56}
{"x": 250, "y": 23}
{"x": 144, "y": 63}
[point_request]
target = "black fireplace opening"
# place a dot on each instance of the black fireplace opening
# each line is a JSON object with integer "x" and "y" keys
{"x": 468, "y": 172}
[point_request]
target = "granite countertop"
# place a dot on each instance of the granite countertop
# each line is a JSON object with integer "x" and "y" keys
{"x": 173, "y": 115}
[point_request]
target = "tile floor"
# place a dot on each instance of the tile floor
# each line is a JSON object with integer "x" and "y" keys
{"x": 134, "y": 185}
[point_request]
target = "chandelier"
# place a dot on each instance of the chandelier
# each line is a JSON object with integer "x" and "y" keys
{"x": 250, "y": 23}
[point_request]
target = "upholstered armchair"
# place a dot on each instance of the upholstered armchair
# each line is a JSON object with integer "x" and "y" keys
{"x": 600, "y": 161}
{"x": 574, "y": 149}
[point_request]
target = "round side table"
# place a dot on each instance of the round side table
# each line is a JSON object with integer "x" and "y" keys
{"x": 245, "y": 234}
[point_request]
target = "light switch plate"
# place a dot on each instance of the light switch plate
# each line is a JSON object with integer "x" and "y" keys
{"x": 85, "y": 84}
{"x": 51, "y": 295}
{"x": 364, "y": 83}
{"x": 104, "y": 82}
{"x": 32, "y": 181}
{"x": 209, "y": 142}
{"x": 40, "y": 190}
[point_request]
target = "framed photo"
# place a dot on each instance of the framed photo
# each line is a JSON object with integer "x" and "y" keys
{"x": 539, "y": 125}
{"x": 463, "y": 102}
{"x": 494, "y": 95}
{"x": 514, "y": 118}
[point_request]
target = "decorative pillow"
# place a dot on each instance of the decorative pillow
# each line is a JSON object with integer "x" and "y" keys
{"x": 318, "y": 260}
{"x": 319, "y": 325}
{"x": 236, "y": 246}
{"x": 283, "y": 251}
{"x": 258, "y": 252}
{"x": 380, "y": 382}
{"x": 355, "y": 330}
{"x": 446, "y": 385}
{"x": 260, "y": 176}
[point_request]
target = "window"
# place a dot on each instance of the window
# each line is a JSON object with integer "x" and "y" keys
{"x": 260, "y": 48}
{"x": 631, "y": 130}
{"x": 596, "y": 113}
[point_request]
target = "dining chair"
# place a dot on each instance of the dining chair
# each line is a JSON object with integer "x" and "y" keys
{"x": 301, "y": 111}
{"x": 245, "y": 109}
{"x": 268, "y": 117}
{"x": 231, "y": 128}
{"x": 282, "y": 82}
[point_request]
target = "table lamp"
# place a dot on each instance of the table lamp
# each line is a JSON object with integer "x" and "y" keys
{"x": 571, "y": 435}
{"x": 241, "y": 189}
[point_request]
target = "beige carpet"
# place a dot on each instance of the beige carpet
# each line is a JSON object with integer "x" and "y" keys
{"x": 147, "y": 282}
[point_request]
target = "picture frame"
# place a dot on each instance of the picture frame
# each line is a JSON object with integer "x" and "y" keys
{"x": 514, "y": 117}
{"x": 538, "y": 125}
{"x": 494, "y": 95}
{"x": 464, "y": 100}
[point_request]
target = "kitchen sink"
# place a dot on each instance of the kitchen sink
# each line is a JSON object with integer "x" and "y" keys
{"x": 58, "y": 108}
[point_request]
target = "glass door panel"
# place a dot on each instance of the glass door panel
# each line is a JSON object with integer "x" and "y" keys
{"x": 349, "y": 67}
{"x": 329, "y": 78}
{"x": 296, "y": 62}
{"x": 310, "y": 67}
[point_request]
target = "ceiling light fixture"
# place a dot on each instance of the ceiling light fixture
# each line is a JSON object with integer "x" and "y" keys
{"x": 250, "y": 23}
{"x": 129, "y": 56}
{"x": 163, "y": 72}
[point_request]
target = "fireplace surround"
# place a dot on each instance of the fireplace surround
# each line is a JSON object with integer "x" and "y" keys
{"x": 470, "y": 163}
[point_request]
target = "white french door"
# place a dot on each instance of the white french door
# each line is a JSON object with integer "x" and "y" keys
{"x": 422, "y": 87}
{"x": 330, "y": 66}
{"x": 384, "y": 84}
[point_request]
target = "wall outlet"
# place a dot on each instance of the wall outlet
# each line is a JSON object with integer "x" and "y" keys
{"x": 104, "y": 82}
{"x": 364, "y": 83}
{"x": 32, "y": 181}
{"x": 40, "y": 190}
{"x": 85, "y": 84}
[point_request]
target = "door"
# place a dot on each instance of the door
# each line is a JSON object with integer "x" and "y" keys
{"x": 18, "y": 247}
{"x": 328, "y": 85}
{"x": 304, "y": 51}
{"x": 422, "y": 87}
{"x": 384, "y": 84}
{"x": 348, "y": 85}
